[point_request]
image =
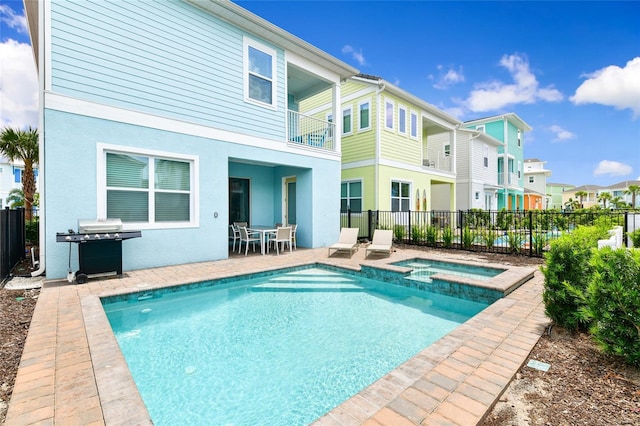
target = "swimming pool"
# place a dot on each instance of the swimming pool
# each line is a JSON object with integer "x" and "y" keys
{"x": 282, "y": 349}
{"x": 423, "y": 269}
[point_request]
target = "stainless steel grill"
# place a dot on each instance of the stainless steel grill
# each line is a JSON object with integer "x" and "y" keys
{"x": 99, "y": 247}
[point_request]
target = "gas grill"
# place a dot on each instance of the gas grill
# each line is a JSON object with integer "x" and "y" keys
{"x": 99, "y": 247}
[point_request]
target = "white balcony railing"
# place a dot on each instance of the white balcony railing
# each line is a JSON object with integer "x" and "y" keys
{"x": 512, "y": 179}
{"x": 309, "y": 131}
{"x": 436, "y": 160}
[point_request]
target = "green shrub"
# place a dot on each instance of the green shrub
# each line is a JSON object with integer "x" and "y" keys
{"x": 489, "y": 237}
{"x": 431, "y": 235}
{"x": 635, "y": 238}
{"x": 398, "y": 232}
{"x": 540, "y": 241}
{"x": 515, "y": 240}
{"x": 447, "y": 236}
{"x": 467, "y": 237}
{"x": 567, "y": 274}
{"x": 417, "y": 233}
{"x": 32, "y": 232}
{"x": 613, "y": 302}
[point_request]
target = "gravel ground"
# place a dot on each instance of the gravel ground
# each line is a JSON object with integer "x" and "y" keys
{"x": 581, "y": 387}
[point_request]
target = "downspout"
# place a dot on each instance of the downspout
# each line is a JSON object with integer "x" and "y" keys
{"x": 41, "y": 174}
{"x": 376, "y": 163}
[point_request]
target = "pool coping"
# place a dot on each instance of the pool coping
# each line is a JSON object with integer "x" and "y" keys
{"x": 72, "y": 370}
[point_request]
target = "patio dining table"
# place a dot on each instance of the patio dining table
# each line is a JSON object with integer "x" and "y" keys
{"x": 263, "y": 230}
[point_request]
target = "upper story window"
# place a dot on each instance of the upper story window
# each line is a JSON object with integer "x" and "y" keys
{"x": 485, "y": 155}
{"x": 414, "y": 125}
{"x": 347, "y": 120}
{"x": 519, "y": 169}
{"x": 364, "y": 118}
{"x": 148, "y": 189}
{"x": 402, "y": 120}
{"x": 480, "y": 128}
{"x": 351, "y": 196}
{"x": 388, "y": 114}
{"x": 532, "y": 179}
{"x": 259, "y": 73}
{"x": 447, "y": 150}
{"x": 519, "y": 138}
{"x": 400, "y": 196}
{"x": 17, "y": 175}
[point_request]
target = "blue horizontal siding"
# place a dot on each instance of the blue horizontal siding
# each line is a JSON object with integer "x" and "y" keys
{"x": 166, "y": 58}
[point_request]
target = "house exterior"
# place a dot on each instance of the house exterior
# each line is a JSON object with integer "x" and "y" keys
{"x": 622, "y": 190}
{"x": 11, "y": 178}
{"x": 535, "y": 184}
{"x": 508, "y": 129}
{"x": 555, "y": 191}
{"x": 476, "y": 170}
{"x": 590, "y": 198}
{"x": 398, "y": 151}
{"x": 180, "y": 117}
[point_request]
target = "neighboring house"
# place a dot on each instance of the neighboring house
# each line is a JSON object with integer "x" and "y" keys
{"x": 180, "y": 117}
{"x": 508, "y": 129}
{"x": 554, "y": 192}
{"x": 398, "y": 151}
{"x": 586, "y": 201}
{"x": 535, "y": 180}
{"x": 476, "y": 170}
{"x": 11, "y": 178}
{"x": 620, "y": 190}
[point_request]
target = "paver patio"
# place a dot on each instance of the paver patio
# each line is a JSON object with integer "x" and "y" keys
{"x": 72, "y": 370}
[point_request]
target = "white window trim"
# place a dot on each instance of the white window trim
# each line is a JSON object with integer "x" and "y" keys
{"x": 361, "y": 190}
{"x": 532, "y": 179}
{"x": 485, "y": 154}
{"x": 519, "y": 138}
{"x": 481, "y": 128}
{"x": 101, "y": 166}
{"x": 400, "y": 198}
{"x": 393, "y": 110}
{"x": 247, "y": 42}
{"x": 402, "y": 108}
{"x": 350, "y": 109}
{"x": 411, "y": 115}
{"x": 519, "y": 169}
{"x": 360, "y": 128}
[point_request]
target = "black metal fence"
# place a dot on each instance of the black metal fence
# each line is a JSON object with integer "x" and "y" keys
{"x": 12, "y": 239}
{"x": 517, "y": 232}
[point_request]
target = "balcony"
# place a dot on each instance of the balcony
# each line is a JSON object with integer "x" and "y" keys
{"x": 309, "y": 131}
{"x": 437, "y": 160}
{"x": 512, "y": 179}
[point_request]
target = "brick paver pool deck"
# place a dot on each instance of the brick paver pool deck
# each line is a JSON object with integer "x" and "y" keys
{"x": 73, "y": 373}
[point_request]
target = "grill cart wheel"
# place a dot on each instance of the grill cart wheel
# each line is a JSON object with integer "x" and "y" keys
{"x": 81, "y": 277}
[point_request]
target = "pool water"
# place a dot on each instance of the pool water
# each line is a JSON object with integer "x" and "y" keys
{"x": 278, "y": 350}
{"x": 423, "y": 269}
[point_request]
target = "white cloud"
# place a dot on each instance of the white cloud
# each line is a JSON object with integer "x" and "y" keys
{"x": 447, "y": 78}
{"x": 9, "y": 17}
{"x": 355, "y": 54}
{"x": 495, "y": 95}
{"x": 612, "y": 86}
{"x": 612, "y": 168}
{"x": 19, "y": 89}
{"x": 561, "y": 134}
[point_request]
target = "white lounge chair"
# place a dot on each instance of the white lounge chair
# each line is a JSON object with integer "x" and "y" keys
{"x": 382, "y": 242}
{"x": 348, "y": 241}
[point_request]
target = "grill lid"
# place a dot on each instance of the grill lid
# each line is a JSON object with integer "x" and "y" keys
{"x": 86, "y": 226}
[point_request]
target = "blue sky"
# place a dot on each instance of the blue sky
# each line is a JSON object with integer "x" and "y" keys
{"x": 571, "y": 70}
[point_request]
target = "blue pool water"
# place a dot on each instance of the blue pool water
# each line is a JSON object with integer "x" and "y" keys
{"x": 423, "y": 269}
{"x": 277, "y": 350}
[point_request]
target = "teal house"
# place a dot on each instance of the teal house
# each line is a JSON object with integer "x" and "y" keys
{"x": 508, "y": 129}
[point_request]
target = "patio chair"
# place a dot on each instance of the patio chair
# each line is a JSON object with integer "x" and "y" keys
{"x": 234, "y": 235}
{"x": 347, "y": 242}
{"x": 282, "y": 235}
{"x": 248, "y": 237}
{"x": 294, "y": 228}
{"x": 382, "y": 242}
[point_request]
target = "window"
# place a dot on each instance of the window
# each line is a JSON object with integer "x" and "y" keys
{"x": 144, "y": 188}
{"x": 330, "y": 120}
{"x": 447, "y": 150}
{"x": 519, "y": 138}
{"x": 480, "y": 128}
{"x": 414, "y": 125}
{"x": 351, "y": 196}
{"x": 402, "y": 120}
{"x": 519, "y": 168}
{"x": 346, "y": 121}
{"x": 0, "y": 169}
{"x": 259, "y": 75}
{"x": 17, "y": 175}
{"x": 485, "y": 155}
{"x": 477, "y": 195}
{"x": 364, "y": 118}
{"x": 400, "y": 196}
{"x": 531, "y": 179}
{"x": 388, "y": 115}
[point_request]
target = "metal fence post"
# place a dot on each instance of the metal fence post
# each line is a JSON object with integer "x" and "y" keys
{"x": 530, "y": 233}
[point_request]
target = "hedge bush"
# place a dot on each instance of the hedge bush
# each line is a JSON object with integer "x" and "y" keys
{"x": 613, "y": 302}
{"x": 635, "y": 238}
{"x": 567, "y": 274}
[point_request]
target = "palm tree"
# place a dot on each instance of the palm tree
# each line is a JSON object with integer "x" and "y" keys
{"x": 22, "y": 145}
{"x": 604, "y": 197}
{"x": 581, "y": 195}
{"x": 15, "y": 198}
{"x": 618, "y": 203}
{"x": 633, "y": 190}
